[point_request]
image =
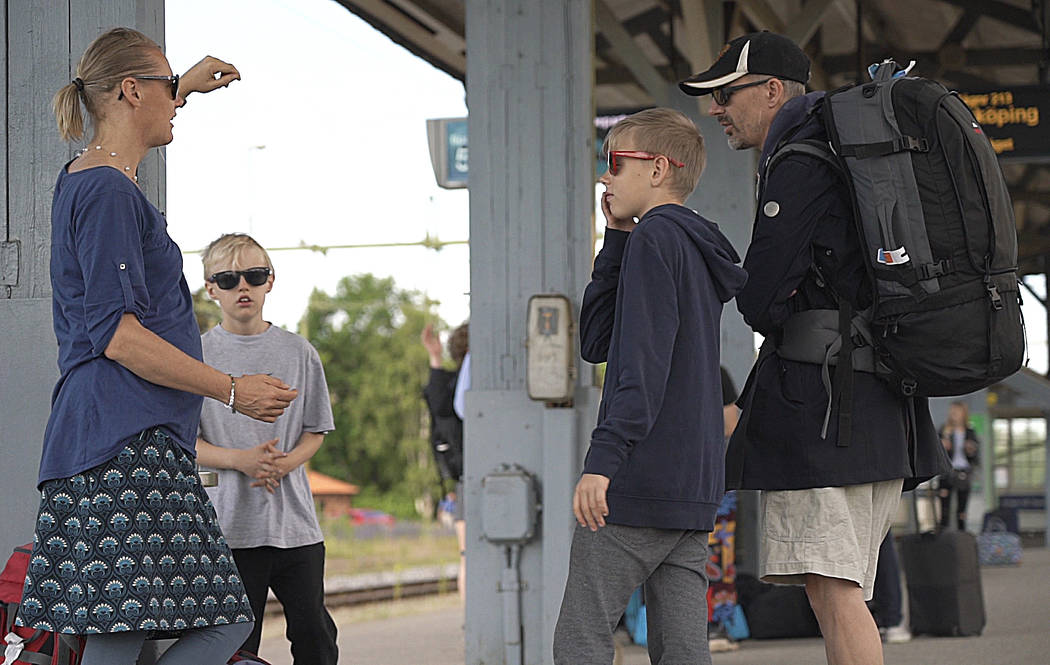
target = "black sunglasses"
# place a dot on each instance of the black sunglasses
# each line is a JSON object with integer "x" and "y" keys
{"x": 230, "y": 279}
{"x": 173, "y": 79}
{"x": 722, "y": 95}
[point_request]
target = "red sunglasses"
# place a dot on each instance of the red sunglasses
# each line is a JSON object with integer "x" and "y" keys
{"x": 612, "y": 159}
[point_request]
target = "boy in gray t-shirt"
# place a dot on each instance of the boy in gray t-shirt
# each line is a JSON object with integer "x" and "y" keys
{"x": 263, "y": 498}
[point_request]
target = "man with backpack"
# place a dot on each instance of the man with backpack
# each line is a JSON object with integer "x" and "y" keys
{"x": 832, "y": 456}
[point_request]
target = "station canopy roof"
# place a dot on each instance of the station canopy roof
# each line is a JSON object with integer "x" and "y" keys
{"x": 642, "y": 46}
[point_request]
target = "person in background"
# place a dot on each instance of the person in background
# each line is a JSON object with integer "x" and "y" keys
{"x": 721, "y": 590}
{"x": 122, "y": 512}
{"x": 886, "y": 603}
{"x": 446, "y": 426}
{"x": 263, "y": 497}
{"x": 960, "y": 442}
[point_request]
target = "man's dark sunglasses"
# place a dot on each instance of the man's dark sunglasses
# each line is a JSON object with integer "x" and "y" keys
{"x": 173, "y": 79}
{"x": 230, "y": 279}
{"x": 722, "y": 95}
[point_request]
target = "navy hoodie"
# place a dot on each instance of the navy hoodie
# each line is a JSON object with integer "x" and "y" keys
{"x": 652, "y": 311}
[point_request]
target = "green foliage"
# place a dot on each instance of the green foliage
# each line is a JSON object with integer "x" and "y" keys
{"x": 397, "y": 504}
{"x": 208, "y": 313}
{"x": 368, "y": 337}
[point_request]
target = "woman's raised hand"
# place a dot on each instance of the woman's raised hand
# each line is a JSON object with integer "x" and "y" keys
{"x": 207, "y": 75}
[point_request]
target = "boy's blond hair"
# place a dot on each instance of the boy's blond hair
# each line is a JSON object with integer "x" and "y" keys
{"x": 665, "y": 132}
{"x": 229, "y": 246}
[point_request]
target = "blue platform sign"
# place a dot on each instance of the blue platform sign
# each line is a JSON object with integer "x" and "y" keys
{"x": 449, "y": 154}
{"x": 447, "y": 138}
{"x": 456, "y": 149}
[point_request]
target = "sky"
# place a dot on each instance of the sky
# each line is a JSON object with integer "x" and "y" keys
{"x": 322, "y": 142}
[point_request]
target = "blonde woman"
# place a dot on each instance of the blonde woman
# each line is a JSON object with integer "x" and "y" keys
{"x": 126, "y": 541}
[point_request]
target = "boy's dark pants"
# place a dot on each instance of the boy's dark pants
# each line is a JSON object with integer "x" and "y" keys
{"x": 606, "y": 566}
{"x": 296, "y": 575}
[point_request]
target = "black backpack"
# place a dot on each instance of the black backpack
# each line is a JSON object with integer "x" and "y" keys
{"x": 936, "y": 223}
{"x": 446, "y": 429}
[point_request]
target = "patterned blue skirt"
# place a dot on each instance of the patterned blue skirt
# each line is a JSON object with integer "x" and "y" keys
{"x": 131, "y": 544}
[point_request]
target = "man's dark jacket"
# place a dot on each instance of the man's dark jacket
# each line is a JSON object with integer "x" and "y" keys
{"x": 804, "y": 217}
{"x": 652, "y": 310}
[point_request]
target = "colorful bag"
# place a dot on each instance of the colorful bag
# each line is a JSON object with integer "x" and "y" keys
{"x": 998, "y": 547}
{"x": 247, "y": 658}
{"x": 28, "y": 645}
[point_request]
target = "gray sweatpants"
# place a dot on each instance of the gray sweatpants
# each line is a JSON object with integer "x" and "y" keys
{"x": 606, "y": 566}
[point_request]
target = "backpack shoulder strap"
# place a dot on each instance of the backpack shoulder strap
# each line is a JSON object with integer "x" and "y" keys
{"x": 811, "y": 147}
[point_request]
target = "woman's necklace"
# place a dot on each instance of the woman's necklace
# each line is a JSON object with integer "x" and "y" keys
{"x": 127, "y": 169}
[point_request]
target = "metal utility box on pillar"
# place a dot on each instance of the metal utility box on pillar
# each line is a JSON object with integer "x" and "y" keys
{"x": 41, "y": 42}
{"x": 529, "y": 95}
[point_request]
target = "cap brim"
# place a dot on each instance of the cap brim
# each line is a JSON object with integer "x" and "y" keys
{"x": 696, "y": 87}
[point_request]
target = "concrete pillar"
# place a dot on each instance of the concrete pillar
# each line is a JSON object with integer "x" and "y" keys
{"x": 41, "y": 43}
{"x": 529, "y": 95}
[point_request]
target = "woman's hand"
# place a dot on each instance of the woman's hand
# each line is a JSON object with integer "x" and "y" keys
{"x": 262, "y": 396}
{"x": 207, "y": 75}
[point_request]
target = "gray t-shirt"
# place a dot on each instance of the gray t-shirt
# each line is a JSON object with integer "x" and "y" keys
{"x": 251, "y": 516}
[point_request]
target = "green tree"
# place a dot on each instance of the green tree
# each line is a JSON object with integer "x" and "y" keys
{"x": 208, "y": 313}
{"x": 367, "y": 336}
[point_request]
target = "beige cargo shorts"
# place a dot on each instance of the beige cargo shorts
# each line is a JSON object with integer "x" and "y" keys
{"x": 829, "y": 531}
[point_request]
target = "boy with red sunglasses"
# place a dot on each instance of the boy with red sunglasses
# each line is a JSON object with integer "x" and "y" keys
{"x": 653, "y": 476}
{"x": 263, "y": 498}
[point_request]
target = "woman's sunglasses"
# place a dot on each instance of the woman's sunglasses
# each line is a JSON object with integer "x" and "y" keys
{"x": 614, "y": 157}
{"x": 173, "y": 79}
{"x": 230, "y": 279}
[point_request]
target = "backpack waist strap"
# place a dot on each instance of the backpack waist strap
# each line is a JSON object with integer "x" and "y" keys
{"x": 814, "y": 336}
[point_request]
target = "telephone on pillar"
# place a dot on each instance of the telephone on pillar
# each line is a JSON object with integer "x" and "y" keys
{"x": 549, "y": 351}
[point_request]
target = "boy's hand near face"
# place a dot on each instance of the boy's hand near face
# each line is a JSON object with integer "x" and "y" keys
{"x": 615, "y": 222}
{"x": 588, "y": 502}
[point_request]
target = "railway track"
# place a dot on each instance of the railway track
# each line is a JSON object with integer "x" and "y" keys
{"x": 379, "y": 587}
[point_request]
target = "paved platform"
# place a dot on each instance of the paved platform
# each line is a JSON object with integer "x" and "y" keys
{"x": 1017, "y": 604}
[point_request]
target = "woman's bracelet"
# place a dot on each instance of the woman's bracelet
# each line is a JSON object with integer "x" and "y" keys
{"x": 233, "y": 392}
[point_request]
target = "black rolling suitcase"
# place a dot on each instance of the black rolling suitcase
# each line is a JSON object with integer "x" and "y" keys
{"x": 944, "y": 583}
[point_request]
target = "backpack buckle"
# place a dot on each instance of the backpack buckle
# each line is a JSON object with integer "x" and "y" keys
{"x": 908, "y": 387}
{"x": 993, "y": 295}
{"x": 914, "y": 144}
{"x": 931, "y": 270}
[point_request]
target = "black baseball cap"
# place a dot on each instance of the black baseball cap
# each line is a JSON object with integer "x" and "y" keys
{"x": 757, "y": 53}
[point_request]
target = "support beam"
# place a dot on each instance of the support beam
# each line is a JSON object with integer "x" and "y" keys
{"x": 962, "y": 27}
{"x": 428, "y": 42}
{"x": 630, "y": 54}
{"x": 702, "y": 36}
{"x": 1000, "y": 11}
{"x": 802, "y": 28}
{"x": 761, "y": 15}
